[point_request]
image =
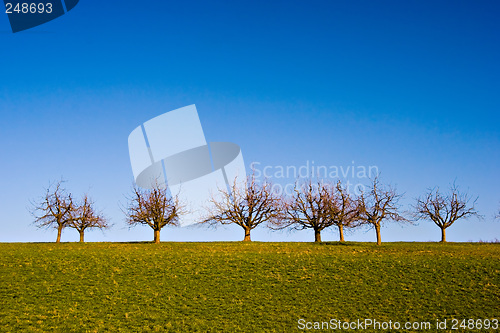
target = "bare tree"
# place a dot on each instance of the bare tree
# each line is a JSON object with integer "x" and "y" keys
{"x": 247, "y": 204}
{"x": 379, "y": 205}
{"x": 84, "y": 216}
{"x": 154, "y": 207}
{"x": 54, "y": 209}
{"x": 343, "y": 208}
{"x": 308, "y": 208}
{"x": 445, "y": 209}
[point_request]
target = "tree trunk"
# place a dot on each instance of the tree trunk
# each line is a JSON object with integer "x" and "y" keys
{"x": 59, "y": 231}
{"x": 157, "y": 237}
{"x": 341, "y": 232}
{"x": 443, "y": 235}
{"x": 317, "y": 236}
{"x": 81, "y": 236}
{"x": 247, "y": 236}
{"x": 379, "y": 238}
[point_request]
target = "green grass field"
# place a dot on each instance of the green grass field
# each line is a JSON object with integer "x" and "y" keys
{"x": 247, "y": 287}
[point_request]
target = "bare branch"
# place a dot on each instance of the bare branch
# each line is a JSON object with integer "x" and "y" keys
{"x": 378, "y": 205}
{"x": 312, "y": 206}
{"x": 155, "y": 208}
{"x": 343, "y": 208}
{"x": 445, "y": 209}
{"x": 84, "y": 216}
{"x": 248, "y": 204}
{"x": 54, "y": 209}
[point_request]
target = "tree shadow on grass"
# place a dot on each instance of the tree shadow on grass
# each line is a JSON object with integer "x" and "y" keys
{"x": 336, "y": 243}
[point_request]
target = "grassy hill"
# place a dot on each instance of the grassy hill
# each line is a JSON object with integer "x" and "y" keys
{"x": 247, "y": 287}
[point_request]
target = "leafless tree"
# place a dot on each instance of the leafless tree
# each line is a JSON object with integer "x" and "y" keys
{"x": 246, "y": 204}
{"x": 445, "y": 209}
{"x": 84, "y": 216}
{"x": 54, "y": 209}
{"x": 308, "y": 208}
{"x": 154, "y": 207}
{"x": 343, "y": 208}
{"x": 380, "y": 204}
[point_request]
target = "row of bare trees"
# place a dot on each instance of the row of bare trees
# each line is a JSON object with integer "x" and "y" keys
{"x": 315, "y": 205}
{"x": 320, "y": 205}
{"x": 58, "y": 209}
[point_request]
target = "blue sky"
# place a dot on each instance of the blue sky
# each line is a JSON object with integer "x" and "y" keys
{"x": 411, "y": 87}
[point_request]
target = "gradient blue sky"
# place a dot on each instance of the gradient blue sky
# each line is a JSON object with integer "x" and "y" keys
{"x": 412, "y": 87}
